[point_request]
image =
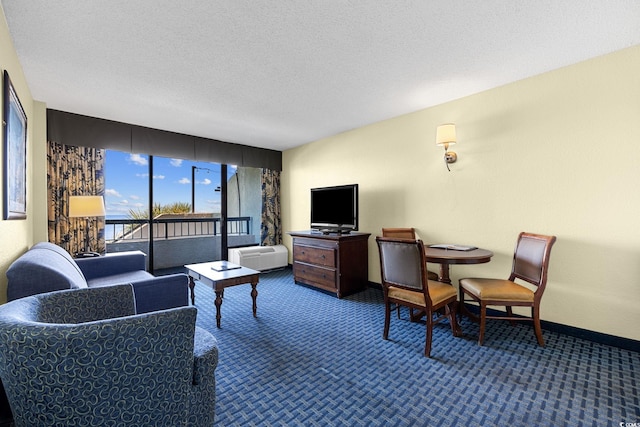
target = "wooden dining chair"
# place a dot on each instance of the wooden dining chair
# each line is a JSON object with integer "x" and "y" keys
{"x": 404, "y": 282}
{"x": 530, "y": 264}
{"x": 406, "y": 233}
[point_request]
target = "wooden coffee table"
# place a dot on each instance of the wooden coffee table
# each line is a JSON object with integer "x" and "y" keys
{"x": 219, "y": 280}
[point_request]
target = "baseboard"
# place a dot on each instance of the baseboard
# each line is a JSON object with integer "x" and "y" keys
{"x": 572, "y": 331}
{"x": 375, "y": 285}
{"x": 612, "y": 340}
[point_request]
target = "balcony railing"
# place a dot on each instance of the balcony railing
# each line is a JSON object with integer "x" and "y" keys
{"x": 118, "y": 230}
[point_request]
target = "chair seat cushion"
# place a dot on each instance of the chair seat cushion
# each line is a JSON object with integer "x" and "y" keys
{"x": 497, "y": 290}
{"x": 438, "y": 292}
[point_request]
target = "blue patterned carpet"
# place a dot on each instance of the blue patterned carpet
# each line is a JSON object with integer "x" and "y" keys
{"x": 310, "y": 359}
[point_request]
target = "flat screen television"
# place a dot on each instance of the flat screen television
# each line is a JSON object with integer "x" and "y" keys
{"x": 335, "y": 209}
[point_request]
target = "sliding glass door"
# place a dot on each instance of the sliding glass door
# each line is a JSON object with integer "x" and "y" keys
{"x": 171, "y": 209}
{"x": 244, "y": 206}
{"x": 187, "y": 219}
{"x": 179, "y": 211}
{"x": 126, "y": 202}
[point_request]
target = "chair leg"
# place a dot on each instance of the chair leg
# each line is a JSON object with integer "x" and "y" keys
{"x": 510, "y": 314}
{"x": 483, "y": 321}
{"x": 387, "y": 319}
{"x": 535, "y": 314}
{"x": 453, "y": 319}
{"x": 463, "y": 311}
{"x": 427, "y": 343}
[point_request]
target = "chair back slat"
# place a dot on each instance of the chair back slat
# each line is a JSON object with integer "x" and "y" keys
{"x": 401, "y": 263}
{"x": 531, "y": 258}
{"x": 400, "y": 233}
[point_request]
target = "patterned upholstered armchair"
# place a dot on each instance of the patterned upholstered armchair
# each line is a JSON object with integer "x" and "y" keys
{"x": 84, "y": 358}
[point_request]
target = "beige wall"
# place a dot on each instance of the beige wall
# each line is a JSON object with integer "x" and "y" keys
{"x": 555, "y": 154}
{"x": 16, "y": 236}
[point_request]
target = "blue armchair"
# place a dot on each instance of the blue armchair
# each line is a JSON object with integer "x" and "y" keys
{"x": 84, "y": 358}
{"x": 47, "y": 267}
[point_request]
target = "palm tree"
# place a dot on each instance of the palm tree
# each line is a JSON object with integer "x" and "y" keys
{"x": 158, "y": 209}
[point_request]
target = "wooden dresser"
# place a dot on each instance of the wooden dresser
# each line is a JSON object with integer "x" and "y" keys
{"x": 333, "y": 262}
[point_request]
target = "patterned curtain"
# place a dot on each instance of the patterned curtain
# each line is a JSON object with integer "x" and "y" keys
{"x": 270, "y": 228}
{"x": 74, "y": 171}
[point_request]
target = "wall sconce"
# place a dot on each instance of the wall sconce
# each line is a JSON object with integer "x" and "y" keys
{"x": 86, "y": 206}
{"x": 446, "y": 135}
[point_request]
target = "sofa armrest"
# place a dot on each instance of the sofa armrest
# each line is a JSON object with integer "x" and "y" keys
{"x": 111, "y": 264}
{"x": 205, "y": 356}
{"x": 162, "y": 292}
{"x": 202, "y": 399}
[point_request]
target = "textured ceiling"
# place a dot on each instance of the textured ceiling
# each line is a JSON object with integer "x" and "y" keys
{"x": 279, "y": 74}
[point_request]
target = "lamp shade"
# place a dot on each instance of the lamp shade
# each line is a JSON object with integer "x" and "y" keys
{"x": 446, "y": 134}
{"x": 84, "y": 206}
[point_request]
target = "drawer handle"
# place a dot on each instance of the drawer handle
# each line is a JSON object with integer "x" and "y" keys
{"x": 323, "y": 257}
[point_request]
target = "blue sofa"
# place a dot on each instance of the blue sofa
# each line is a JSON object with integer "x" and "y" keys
{"x": 47, "y": 267}
{"x": 83, "y": 357}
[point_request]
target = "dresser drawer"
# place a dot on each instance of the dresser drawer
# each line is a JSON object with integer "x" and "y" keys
{"x": 315, "y": 255}
{"x": 311, "y": 274}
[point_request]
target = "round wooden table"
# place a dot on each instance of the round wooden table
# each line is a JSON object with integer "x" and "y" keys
{"x": 445, "y": 257}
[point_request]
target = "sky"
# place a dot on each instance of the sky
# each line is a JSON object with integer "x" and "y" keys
{"x": 127, "y": 188}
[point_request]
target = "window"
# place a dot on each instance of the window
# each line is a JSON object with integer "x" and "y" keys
{"x": 187, "y": 213}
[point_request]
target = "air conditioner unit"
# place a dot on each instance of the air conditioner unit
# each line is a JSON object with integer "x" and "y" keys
{"x": 260, "y": 258}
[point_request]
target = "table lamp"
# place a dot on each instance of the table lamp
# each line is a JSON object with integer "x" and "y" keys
{"x": 88, "y": 207}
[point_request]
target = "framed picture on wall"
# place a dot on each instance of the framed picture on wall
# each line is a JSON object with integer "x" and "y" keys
{"x": 14, "y": 127}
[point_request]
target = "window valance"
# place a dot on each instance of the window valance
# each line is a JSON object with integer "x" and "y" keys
{"x": 84, "y": 131}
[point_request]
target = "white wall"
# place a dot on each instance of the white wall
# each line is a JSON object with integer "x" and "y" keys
{"x": 555, "y": 154}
